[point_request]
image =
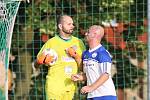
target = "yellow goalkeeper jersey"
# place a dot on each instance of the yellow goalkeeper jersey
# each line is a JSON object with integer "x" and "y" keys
{"x": 59, "y": 74}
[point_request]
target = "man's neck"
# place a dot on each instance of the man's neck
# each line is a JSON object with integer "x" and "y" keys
{"x": 65, "y": 37}
{"x": 93, "y": 44}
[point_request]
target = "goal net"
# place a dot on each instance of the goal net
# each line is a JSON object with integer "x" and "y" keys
{"x": 8, "y": 10}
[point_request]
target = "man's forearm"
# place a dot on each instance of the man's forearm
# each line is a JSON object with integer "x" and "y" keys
{"x": 102, "y": 79}
{"x": 78, "y": 61}
{"x": 36, "y": 65}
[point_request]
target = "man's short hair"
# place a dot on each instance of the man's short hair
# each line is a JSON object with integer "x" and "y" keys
{"x": 60, "y": 19}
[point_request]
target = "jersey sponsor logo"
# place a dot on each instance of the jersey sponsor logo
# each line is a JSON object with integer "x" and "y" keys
{"x": 89, "y": 63}
{"x": 68, "y": 69}
{"x": 67, "y": 59}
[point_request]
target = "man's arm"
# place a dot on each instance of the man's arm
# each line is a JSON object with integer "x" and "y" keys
{"x": 101, "y": 80}
{"x": 79, "y": 62}
{"x": 36, "y": 64}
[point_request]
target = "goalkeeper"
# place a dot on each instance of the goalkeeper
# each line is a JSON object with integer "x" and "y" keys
{"x": 59, "y": 85}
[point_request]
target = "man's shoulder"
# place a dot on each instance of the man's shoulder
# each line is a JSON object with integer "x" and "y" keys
{"x": 52, "y": 39}
{"x": 76, "y": 39}
{"x": 104, "y": 55}
{"x": 85, "y": 52}
{"x": 103, "y": 51}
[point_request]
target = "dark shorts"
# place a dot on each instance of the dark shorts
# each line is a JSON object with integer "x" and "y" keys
{"x": 103, "y": 98}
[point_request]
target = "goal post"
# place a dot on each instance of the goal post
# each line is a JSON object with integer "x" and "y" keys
{"x": 8, "y": 11}
{"x": 148, "y": 63}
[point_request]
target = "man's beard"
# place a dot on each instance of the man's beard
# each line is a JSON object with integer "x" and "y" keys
{"x": 68, "y": 31}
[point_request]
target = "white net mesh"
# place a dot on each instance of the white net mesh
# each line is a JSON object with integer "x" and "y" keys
{"x": 8, "y": 12}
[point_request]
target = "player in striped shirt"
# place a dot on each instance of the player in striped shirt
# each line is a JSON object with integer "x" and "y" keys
{"x": 96, "y": 68}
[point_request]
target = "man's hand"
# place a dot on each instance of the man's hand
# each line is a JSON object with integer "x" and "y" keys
{"x": 78, "y": 77}
{"x": 48, "y": 56}
{"x": 48, "y": 59}
{"x": 86, "y": 89}
{"x": 41, "y": 58}
{"x": 75, "y": 77}
{"x": 45, "y": 59}
{"x": 35, "y": 68}
{"x": 72, "y": 52}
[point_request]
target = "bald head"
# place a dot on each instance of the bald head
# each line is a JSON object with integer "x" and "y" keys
{"x": 98, "y": 30}
{"x": 94, "y": 35}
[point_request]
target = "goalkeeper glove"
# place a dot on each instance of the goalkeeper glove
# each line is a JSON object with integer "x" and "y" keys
{"x": 41, "y": 58}
{"x": 72, "y": 52}
{"x": 45, "y": 59}
{"x": 48, "y": 59}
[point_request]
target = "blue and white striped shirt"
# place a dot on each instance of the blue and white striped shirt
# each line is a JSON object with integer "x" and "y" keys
{"x": 96, "y": 62}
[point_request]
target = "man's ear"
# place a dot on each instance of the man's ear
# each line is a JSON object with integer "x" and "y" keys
{"x": 60, "y": 26}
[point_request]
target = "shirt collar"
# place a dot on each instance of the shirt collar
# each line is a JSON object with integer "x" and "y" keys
{"x": 91, "y": 50}
{"x": 64, "y": 38}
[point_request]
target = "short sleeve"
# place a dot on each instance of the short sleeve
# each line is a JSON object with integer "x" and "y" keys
{"x": 105, "y": 62}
